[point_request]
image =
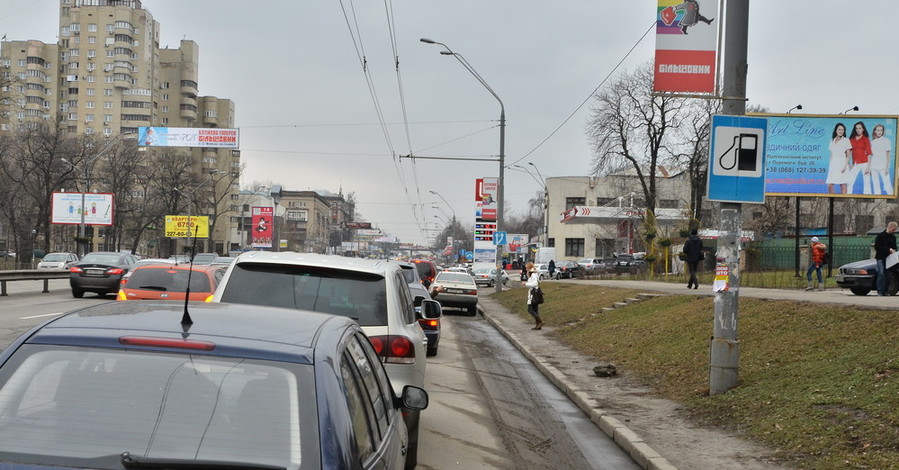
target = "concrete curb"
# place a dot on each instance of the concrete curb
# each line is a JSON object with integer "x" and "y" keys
{"x": 628, "y": 440}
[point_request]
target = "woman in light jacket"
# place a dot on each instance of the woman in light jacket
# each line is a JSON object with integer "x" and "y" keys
{"x": 533, "y": 282}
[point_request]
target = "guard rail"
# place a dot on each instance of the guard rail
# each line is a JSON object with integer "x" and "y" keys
{"x": 32, "y": 275}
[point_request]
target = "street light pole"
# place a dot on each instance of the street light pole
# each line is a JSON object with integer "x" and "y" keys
{"x": 502, "y": 153}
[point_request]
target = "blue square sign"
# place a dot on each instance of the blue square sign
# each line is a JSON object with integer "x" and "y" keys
{"x": 737, "y": 159}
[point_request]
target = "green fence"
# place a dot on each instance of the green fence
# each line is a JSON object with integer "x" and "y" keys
{"x": 780, "y": 253}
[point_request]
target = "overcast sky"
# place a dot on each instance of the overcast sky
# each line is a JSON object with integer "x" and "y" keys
{"x": 308, "y": 118}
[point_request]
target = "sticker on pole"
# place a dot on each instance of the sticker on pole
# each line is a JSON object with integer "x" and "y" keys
{"x": 722, "y": 274}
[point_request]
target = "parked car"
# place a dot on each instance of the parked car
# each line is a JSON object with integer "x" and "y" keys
{"x": 431, "y": 326}
{"x": 542, "y": 270}
{"x": 459, "y": 290}
{"x": 100, "y": 272}
{"x": 487, "y": 277}
{"x": 568, "y": 270}
{"x": 592, "y": 265}
{"x": 58, "y": 261}
{"x": 860, "y": 277}
{"x": 372, "y": 292}
{"x": 205, "y": 258}
{"x": 169, "y": 282}
{"x": 629, "y": 264}
{"x": 130, "y": 385}
{"x": 426, "y": 271}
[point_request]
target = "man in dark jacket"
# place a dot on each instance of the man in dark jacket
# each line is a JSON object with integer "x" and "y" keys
{"x": 884, "y": 246}
{"x": 693, "y": 252}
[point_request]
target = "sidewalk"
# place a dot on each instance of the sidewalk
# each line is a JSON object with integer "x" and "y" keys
{"x": 655, "y": 432}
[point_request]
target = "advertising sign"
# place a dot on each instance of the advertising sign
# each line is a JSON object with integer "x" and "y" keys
{"x": 485, "y": 193}
{"x": 66, "y": 208}
{"x": 261, "y": 234}
{"x": 517, "y": 242}
{"x": 182, "y": 226}
{"x": 836, "y": 156}
{"x": 188, "y": 137}
{"x": 686, "y": 46}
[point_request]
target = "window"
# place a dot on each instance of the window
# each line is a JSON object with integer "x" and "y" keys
{"x": 107, "y": 92}
{"x": 574, "y": 201}
{"x": 91, "y": 78}
{"x": 606, "y": 201}
{"x": 360, "y": 415}
{"x": 372, "y": 386}
{"x": 92, "y": 27}
{"x": 574, "y": 247}
{"x": 91, "y": 40}
{"x": 668, "y": 204}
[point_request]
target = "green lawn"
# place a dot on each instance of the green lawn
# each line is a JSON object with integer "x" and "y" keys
{"x": 817, "y": 383}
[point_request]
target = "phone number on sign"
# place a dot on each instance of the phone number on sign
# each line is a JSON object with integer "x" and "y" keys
{"x": 792, "y": 169}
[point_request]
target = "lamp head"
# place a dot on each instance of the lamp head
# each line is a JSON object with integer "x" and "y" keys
{"x": 447, "y": 53}
{"x": 428, "y": 41}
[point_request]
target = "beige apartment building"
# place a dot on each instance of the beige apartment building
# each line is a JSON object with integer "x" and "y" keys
{"x": 107, "y": 76}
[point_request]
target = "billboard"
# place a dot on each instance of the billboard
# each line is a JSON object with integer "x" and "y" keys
{"x": 182, "y": 226}
{"x": 485, "y": 196}
{"x": 66, "y": 208}
{"x": 686, "y": 46}
{"x": 261, "y": 233}
{"x": 188, "y": 137}
{"x": 833, "y": 156}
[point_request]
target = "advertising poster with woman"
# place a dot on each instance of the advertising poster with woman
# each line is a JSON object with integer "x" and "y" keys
{"x": 837, "y": 156}
{"x": 261, "y": 233}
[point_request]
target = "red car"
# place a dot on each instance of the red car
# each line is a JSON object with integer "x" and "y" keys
{"x": 169, "y": 282}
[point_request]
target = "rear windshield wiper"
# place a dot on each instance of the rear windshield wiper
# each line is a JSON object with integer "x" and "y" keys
{"x": 132, "y": 461}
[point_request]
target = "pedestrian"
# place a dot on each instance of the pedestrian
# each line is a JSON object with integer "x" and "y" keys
{"x": 693, "y": 253}
{"x": 817, "y": 251}
{"x": 533, "y": 283}
{"x": 884, "y": 246}
{"x": 551, "y": 268}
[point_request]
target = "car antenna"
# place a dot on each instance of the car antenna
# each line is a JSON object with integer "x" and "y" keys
{"x": 185, "y": 319}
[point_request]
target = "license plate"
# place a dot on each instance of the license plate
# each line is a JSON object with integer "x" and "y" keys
{"x": 94, "y": 272}
{"x": 455, "y": 291}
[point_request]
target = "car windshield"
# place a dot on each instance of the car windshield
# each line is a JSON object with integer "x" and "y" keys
{"x": 357, "y": 295}
{"x": 78, "y": 407}
{"x": 168, "y": 280}
{"x": 101, "y": 258}
{"x": 55, "y": 257}
{"x": 447, "y": 276}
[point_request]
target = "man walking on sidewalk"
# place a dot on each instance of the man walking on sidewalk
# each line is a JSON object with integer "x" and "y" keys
{"x": 884, "y": 246}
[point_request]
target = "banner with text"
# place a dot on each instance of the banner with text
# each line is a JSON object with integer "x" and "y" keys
{"x": 261, "y": 234}
{"x": 188, "y": 137}
{"x": 182, "y": 226}
{"x": 485, "y": 193}
{"x": 837, "y": 156}
{"x": 686, "y": 46}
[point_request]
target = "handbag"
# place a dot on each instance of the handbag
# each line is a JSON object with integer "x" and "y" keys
{"x": 536, "y": 296}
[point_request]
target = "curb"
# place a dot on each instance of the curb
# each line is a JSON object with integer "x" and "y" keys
{"x": 628, "y": 440}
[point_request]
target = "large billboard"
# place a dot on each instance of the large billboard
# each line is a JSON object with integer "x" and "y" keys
{"x": 182, "y": 226}
{"x": 686, "y": 46}
{"x": 835, "y": 156}
{"x": 66, "y": 208}
{"x": 262, "y": 233}
{"x": 188, "y": 137}
{"x": 485, "y": 196}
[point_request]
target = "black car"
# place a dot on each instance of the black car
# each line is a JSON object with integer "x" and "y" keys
{"x": 100, "y": 272}
{"x": 568, "y": 270}
{"x": 629, "y": 264}
{"x": 145, "y": 385}
{"x": 860, "y": 277}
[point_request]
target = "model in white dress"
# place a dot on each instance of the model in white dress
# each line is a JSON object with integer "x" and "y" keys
{"x": 839, "y": 170}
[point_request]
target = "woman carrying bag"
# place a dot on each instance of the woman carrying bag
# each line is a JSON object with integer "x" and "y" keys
{"x": 535, "y": 296}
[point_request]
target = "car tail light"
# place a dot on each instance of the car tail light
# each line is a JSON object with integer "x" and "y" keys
{"x": 471, "y": 292}
{"x": 115, "y": 271}
{"x": 76, "y": 269}
{"x": 166, "y": 343}
{"x": 394, "y": 349}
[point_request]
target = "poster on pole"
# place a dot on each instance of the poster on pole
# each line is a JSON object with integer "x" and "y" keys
{"x": 686, "y": 46}
{"x": 485, "y": 196}
{"x": 831, "y": 155}
{"x": 66, "y": 208}
{"x": 262, "y": 233}
{"x": 188, "y": 137}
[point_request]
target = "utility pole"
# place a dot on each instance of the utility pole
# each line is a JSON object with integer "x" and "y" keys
{"x": 725, "y": 348}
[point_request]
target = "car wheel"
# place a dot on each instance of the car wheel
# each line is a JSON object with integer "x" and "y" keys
{"x": 432, "y": 351}
{"x": 859, "y": 290}
{"x": 892, "y": 283}
{"x": 491, "y": 284}
{"x": 472, "y": 310}
{"x": 77, "y": 293}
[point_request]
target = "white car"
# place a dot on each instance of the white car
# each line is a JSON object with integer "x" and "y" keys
{"x": 487, "y": 276}
{"x": 458, "y": 290}
{"x": 58, "y": 261}
{"x": 374, "y": 293}
{"x": 542, "y": 270}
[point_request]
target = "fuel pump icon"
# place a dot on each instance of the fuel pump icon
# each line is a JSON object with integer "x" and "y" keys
{"x": 738, "y": 154}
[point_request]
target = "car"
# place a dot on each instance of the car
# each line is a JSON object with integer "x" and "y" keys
{"x": 629, "y": 264}
{"x": 223, "y": 261}
{"x": 170, "y": 282}
{"x": 426, "y": 270}
{"x": 180, "y": 259}
{"x": 592, "y": 265}
{"x": 568, "y": 270}
{"x": 151, "y": 384}
{"x": 459, "y": 269}
{"x": 100, "y": 272}
{"x": 458, "y": 290}
{"x": 205, "y": 258}
{"x": 431, "y": 326}
{"x": 487, "y": 276}
{"x": 860, "y": 277}
{"x": 372, "y": 292}
{"x": 542, "y": 270}
{"x": 58, "y": 261}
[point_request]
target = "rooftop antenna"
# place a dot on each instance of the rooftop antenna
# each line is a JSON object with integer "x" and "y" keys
{"x": 185, "y": 319}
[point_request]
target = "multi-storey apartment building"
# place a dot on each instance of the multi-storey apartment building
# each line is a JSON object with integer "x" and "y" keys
{"x": 107, "y": 76}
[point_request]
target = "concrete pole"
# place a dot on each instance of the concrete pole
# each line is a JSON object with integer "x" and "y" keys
{"x": 725, "y": 349}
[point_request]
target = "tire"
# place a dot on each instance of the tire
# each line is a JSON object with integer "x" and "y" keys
{"x": 432, "y": 351}
{"x": 472, "y": 310}
{"x": 412, "y": 454}
{"x": 892, "y": 283}
{"x": 859, "y": 290}
{"x": 77, "y": 293}
{"x": 491, "y": 284}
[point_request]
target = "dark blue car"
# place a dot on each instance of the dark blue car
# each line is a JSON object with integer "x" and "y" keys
{"x": 141, "y": 384}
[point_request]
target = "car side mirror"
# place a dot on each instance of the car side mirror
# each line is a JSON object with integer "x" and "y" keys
{"x": 430, "y": 309}
{"x": 414, "y": 398}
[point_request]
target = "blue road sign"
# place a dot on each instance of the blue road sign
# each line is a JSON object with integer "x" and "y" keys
{"x": 499, "y": 238}
{"x": 737, "y": 159}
